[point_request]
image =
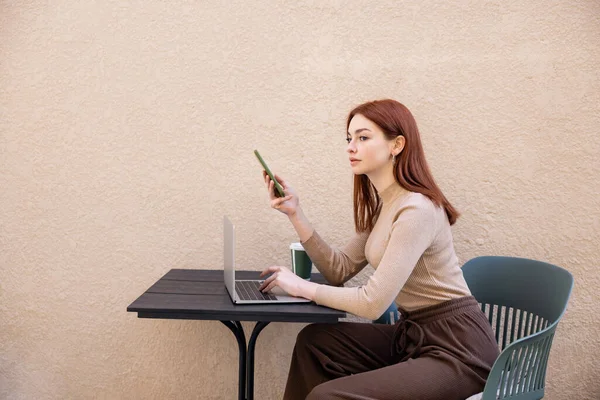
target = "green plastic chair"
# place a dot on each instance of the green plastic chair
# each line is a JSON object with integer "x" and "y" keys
{"x": 524, "y": 300}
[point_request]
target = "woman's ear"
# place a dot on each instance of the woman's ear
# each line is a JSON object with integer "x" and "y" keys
{"x": 399, "y": 145}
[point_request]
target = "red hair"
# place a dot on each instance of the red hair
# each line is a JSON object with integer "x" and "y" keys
{"x": 410, "y": 169}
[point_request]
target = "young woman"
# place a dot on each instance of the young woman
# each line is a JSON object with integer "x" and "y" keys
{"x": 443, "y": 347}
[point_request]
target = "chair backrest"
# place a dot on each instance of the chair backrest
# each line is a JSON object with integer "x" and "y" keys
{"x": 519, "y": 296}
{"x": 524, "y": 301}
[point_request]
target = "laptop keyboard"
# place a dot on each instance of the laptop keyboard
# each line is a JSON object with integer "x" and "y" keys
{"x": 248, "y": 290}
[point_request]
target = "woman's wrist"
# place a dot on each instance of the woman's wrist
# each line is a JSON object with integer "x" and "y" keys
{"x": 296, "y": 215}
{"x": 309, "y": 290}
{"x": 301, "y": 225}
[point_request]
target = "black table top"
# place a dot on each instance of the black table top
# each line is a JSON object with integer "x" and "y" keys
{"x": 201, "y": 295}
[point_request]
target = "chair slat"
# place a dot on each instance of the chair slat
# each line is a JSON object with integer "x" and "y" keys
{"x": 515, "y": 325}
{"x": 511, "y": 324}
{"x": 523, "y": 323}
{"x": 504, "y": 378}
{"x": 534, "y": 324}
{"x": 540, "y": 364}
{"x": 545, "y": 361}
{"x": 498, "y": 330}
{"x": 529, "y": 326}
{"x": 505, "y": 330}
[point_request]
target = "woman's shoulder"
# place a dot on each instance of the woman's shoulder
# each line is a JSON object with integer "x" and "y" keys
{"x": 418, "y": 201}
{"x": 420, "y": 206}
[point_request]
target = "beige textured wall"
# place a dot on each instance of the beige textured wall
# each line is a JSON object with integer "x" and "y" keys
{"x": 127, "y": 130}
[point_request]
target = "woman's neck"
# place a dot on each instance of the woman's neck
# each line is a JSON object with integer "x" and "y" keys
{"x": 383, "y": 177}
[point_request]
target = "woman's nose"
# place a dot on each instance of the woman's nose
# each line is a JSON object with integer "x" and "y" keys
{"x": 351, "y": 147}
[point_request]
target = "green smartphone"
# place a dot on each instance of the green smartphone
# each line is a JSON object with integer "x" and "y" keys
{"x": 279, "y": 189}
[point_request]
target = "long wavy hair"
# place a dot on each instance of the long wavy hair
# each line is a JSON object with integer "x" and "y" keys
{"x": 411, "y": 170}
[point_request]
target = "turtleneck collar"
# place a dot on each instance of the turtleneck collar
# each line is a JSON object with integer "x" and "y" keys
{"x": 392, "y": 192}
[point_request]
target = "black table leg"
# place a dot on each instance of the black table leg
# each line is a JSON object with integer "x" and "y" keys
{"x": 250, "y": 368}
{"x": 238, "y": 331}
{"x": 246, "y": 364}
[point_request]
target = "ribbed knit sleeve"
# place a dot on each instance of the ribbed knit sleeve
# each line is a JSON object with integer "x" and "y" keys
{"x": 337, "y": 265}
{"x": 412, "y": 232}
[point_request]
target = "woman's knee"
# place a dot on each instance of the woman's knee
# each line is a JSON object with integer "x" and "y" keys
{"x": 324, "y": 391}
{"x": 311, "y": 334}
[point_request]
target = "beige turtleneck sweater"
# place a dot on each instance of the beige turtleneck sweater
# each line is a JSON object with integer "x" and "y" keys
{"x": 411, "y": 250}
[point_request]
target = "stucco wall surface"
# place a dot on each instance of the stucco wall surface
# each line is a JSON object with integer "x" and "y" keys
{"x": 127, "y": 130}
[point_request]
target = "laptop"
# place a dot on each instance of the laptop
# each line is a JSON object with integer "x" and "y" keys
{"x": 246, "y": 291}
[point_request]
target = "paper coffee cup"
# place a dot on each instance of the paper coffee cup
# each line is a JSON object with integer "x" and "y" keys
{"x": 301, "y": 263}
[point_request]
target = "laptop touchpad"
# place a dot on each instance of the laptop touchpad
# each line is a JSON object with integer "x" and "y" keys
{"x": 277, "y": 291}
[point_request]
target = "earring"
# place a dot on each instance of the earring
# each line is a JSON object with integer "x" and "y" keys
{"x": 393, "y": 158}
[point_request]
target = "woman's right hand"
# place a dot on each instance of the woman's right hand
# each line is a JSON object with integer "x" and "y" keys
{"x": 288, "y": 204}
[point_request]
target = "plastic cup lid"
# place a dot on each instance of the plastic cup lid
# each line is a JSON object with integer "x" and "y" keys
{"x": 296, "y": 246}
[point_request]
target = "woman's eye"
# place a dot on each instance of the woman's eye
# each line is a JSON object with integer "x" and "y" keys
{"x": 361, "y": 138}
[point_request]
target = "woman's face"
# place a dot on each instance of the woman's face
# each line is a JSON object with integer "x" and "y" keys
{"x": 368, "y": 148}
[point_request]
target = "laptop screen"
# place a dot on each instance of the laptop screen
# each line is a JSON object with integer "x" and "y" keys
{"x": 229, "y": 254}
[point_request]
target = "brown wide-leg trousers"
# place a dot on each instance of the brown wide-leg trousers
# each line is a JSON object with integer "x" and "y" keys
{"x": 443, "y": 352}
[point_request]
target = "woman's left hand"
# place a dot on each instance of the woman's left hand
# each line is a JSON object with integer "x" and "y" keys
{"x": 288, "y": 281}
